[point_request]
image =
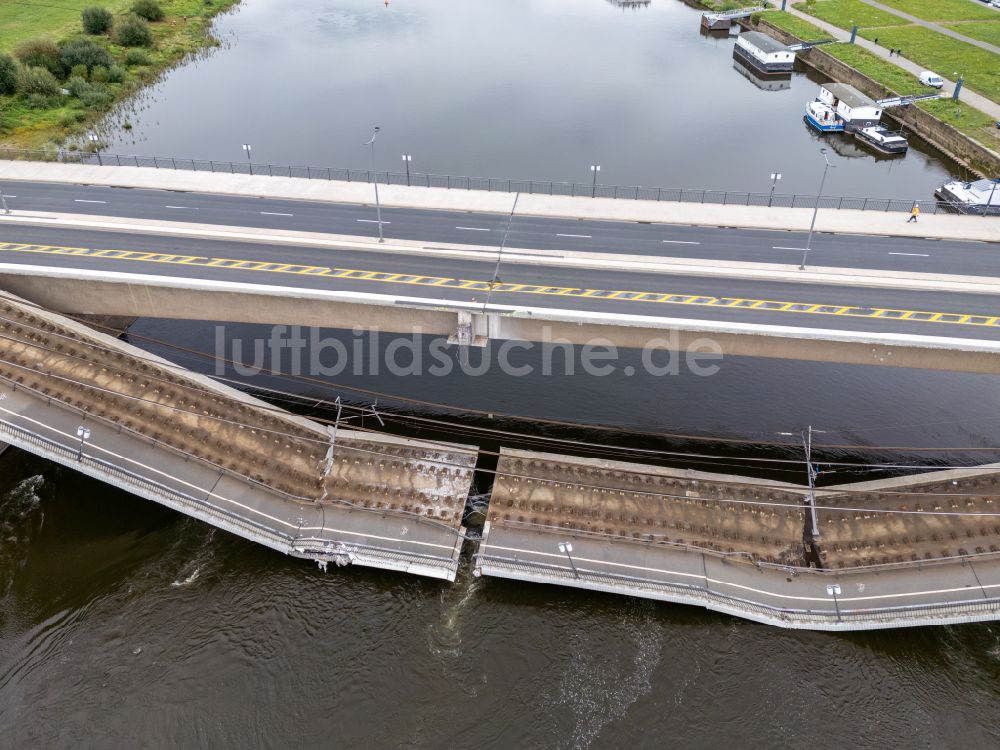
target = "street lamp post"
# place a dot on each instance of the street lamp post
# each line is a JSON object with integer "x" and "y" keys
{"x": 833, "y": 590}
{"x": 92, "y": 137}
{"x": 775, "y": 176}
{"x": 566, "y": 548}
{"x": 595, "y": 168}
{"x": 378, "y": 205}
{"x": 812, "y": 225}
{"x": 84, "y": 434}
{"x": 248, "y": 148}
{"x": 406, "y": 160}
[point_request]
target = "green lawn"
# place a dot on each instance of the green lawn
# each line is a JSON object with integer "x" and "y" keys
{"x": 984, "y": 31}
{"x": 794, "y": 25}
{"x": 945, "y": 56}
{"x": 29, "y": 123}
{"x": 846, "y": 13}
{"x": 56, "y": 20}
{"x": 944, "y": 10}
{"x": 972, "y": 122}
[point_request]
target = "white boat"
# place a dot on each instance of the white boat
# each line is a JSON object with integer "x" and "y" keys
{"x": 883, "y": 139}
{"x": 823, "y": 117}
{"x": 979, "y": 197}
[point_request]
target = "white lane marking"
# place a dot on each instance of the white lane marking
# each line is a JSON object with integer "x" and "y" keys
{"x": 372, "y": 221}
{"x": 581, "y": 236}
{"x": 578, "y": 558}
{"x": 471, "y": 229}
{"x": 273, "y": 213}
{"x": 81, "y": 200}
{"x": 682, "y": 242}
{"x": 917, "y": 255}
{"x": 188, "y": 208}
{"x": 779, "y": 247}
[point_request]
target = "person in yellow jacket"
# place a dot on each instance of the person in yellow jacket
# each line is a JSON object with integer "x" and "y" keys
{"x": 914, "y": 213}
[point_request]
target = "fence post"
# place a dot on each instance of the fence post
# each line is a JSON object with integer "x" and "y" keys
{"x": 118, "y": 158}
{"x": 840, "y": 203}
{"x": 864, "y": 205}
{"x": 232, "y": 169}
{"x": 329, "y": 176}
{"x": 703, "y": 196}
{"x": 194, "y": 167}
{"x": 309, "y": 173}
{"x": 155, "y": 163}
{"x": 748, "y": 199}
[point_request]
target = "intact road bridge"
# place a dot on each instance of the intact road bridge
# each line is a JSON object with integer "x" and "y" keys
{"x": 482, "y": 275}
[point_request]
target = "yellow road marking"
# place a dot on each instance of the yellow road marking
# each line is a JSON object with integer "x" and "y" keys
{"x": 702, "y": 300}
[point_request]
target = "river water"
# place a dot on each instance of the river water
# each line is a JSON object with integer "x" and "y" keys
{"x": 538, "y": 89}
{"x": 124, "y": 624}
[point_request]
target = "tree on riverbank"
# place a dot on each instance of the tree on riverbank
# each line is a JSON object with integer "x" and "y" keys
{"x": 97, "y": 20}
{"x": 132, "y": 31}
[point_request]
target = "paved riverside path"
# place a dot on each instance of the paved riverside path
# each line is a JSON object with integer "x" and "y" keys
{"x": 109, "y": 206}
{"x": 969, "y": 96}
{"x": 935, "y": 27}
{"x": 846, "y": 221}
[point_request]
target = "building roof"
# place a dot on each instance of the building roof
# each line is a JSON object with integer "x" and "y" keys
{"x": 763, "y": 42}
{"x": 849, "y": 95}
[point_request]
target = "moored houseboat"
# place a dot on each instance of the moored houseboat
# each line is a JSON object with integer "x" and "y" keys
{"x": 823, "y": 117}
{"x": 884, "y": 140}
{"x": 979, "y": 197}
{"x": 762, "y": 53}
{"x": 855, "y": 109}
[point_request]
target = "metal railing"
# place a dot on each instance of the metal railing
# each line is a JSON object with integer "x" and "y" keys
{"x": 959, "y": 610}
{"x": 488, "y": 184}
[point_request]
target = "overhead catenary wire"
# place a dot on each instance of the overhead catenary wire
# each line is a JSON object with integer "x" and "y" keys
{"x": 674, "y": 455}
{"x": 633, "y": 432}
{"x": 728, "y": 501}
{"x": 364, "y": 411}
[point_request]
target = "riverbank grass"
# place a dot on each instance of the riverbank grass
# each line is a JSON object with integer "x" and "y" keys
{"x": 944, "y": 10}
{"x": 944, "y": 55}
{"x": 984, "y": 31}
{"x": 35, "y": 121}
{"x": 846, "y": 13}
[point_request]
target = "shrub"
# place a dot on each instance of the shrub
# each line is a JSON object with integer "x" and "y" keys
{"x": 85, "y": 52}
{"x": 99, "y": 74}
{"x": 35, "y": 80}
{"x": 132, "y": 31}
{"x": 148, "y": 9}
{"x": 76, "y": 85}
{"x": 39, "y": 101}
{"x": 8, "y": 74}
{"x": 79, "y": 70}
{"x": 97, "y": 96}
{"x": 116, "y": 74}
{"x": 40, "y": 53}
{"x": 136, "y": 57}
{"x": 97, "y": 20}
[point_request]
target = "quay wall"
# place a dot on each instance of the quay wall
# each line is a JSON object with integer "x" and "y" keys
{"x": 952, "y": 142}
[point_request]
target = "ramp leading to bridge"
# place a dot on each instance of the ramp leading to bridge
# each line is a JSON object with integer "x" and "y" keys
{"x": 121, "y": 415}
